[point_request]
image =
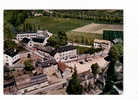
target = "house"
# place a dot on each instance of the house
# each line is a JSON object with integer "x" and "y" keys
{"x": 20, "y": 37}
{"x": 30, "y": 39}
{"x": 38, "y": 41}
{"x": 12, "y": 58}
{"x": 64, "y": 53}
{"x": 28, "y": 83}
{"x": 45, "y": 34}
{"x": 46, "y": 49}
{"x": 115, "y": 41}
{"x": 38, "y": 14}
{"x": 101, "y": 43}
{"x": 64, "y": 70}
{"x": 49, "y": 65}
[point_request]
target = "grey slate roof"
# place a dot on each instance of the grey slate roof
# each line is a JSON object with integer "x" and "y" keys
{"x": 39, "y": 40}
{"x": 46, "y": 63}
{"x": 25, "y": 40}
{"x": 63, "y": 49}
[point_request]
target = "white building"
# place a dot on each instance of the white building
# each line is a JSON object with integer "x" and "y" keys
{"x": 39, "y": 33}
{"x": 26, "y": 35}
{"x": 101, "y": 43}
{"x": 64, "y": 53}
{"x": 37, "y": 41}
{"x": 38, "y": 14}
{"x": 10, "y": 60}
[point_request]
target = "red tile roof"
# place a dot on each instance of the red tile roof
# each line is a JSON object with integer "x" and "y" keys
{"x": 62, "y": 66}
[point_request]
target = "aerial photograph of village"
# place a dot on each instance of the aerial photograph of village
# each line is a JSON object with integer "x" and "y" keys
{"x": 63, "y": 52}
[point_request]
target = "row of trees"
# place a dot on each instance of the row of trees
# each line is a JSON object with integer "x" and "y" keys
{"x": 27, "y": 27}
{"x": 96, "y": 16}
{"x": 16, "y": 17}
{"x": 13, "y": 19}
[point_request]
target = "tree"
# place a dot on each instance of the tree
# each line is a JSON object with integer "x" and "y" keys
{"x": 116, "y": 52}
{"x": 57, "y": 40}
{"x": 8, "y": 31}
{"x": 74, "y": 86}
{"x": 62, "y": 37}
{"x": 95, "y": 71}
{"x": 95, "y": 68}
{"x": 10, "y": 47}
{"x": 28, "y": 65}
{"x": 8, "y": 44}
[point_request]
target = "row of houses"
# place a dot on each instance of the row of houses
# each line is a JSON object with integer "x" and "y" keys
{"x": 63, "y": 54}
{"x": 29, "y": 39}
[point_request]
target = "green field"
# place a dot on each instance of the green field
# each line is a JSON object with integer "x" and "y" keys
{"x": 86, "y": 50}
{"x": 55, "y": 24}
{"x": 82, "y": 37}
{"x": 81, "y": 50}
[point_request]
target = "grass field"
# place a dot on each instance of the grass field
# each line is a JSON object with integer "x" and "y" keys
{"x": 54, "y": 24}
{"x": 79, "y": 31}
{"x": 81, "y": 50}
{"x": 82, "y": 37}
{"x": 98, "y": 28}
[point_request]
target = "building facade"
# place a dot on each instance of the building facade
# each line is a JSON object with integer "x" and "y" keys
{"x": 39, "y": 33}
{"x": 101, "y": 43}
{"x": 11, "y": 60}
{"x": 65, "y": 53}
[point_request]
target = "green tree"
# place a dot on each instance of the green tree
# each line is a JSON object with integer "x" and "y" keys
{"x": 9, "y": 46}
{"x": 8, "y": 31}
{"x": 57, "y": 40}
{"x": 28, "y": 65}
{"x": 95, "y": 69}
{"x": 74, "y": 86}
{"x": 116, "y": 52}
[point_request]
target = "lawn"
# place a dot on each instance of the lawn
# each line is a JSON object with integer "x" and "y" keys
{"x": 81, "y": 50}
{"x": 55, "y": 24}
{"x": 86, "y": 50}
